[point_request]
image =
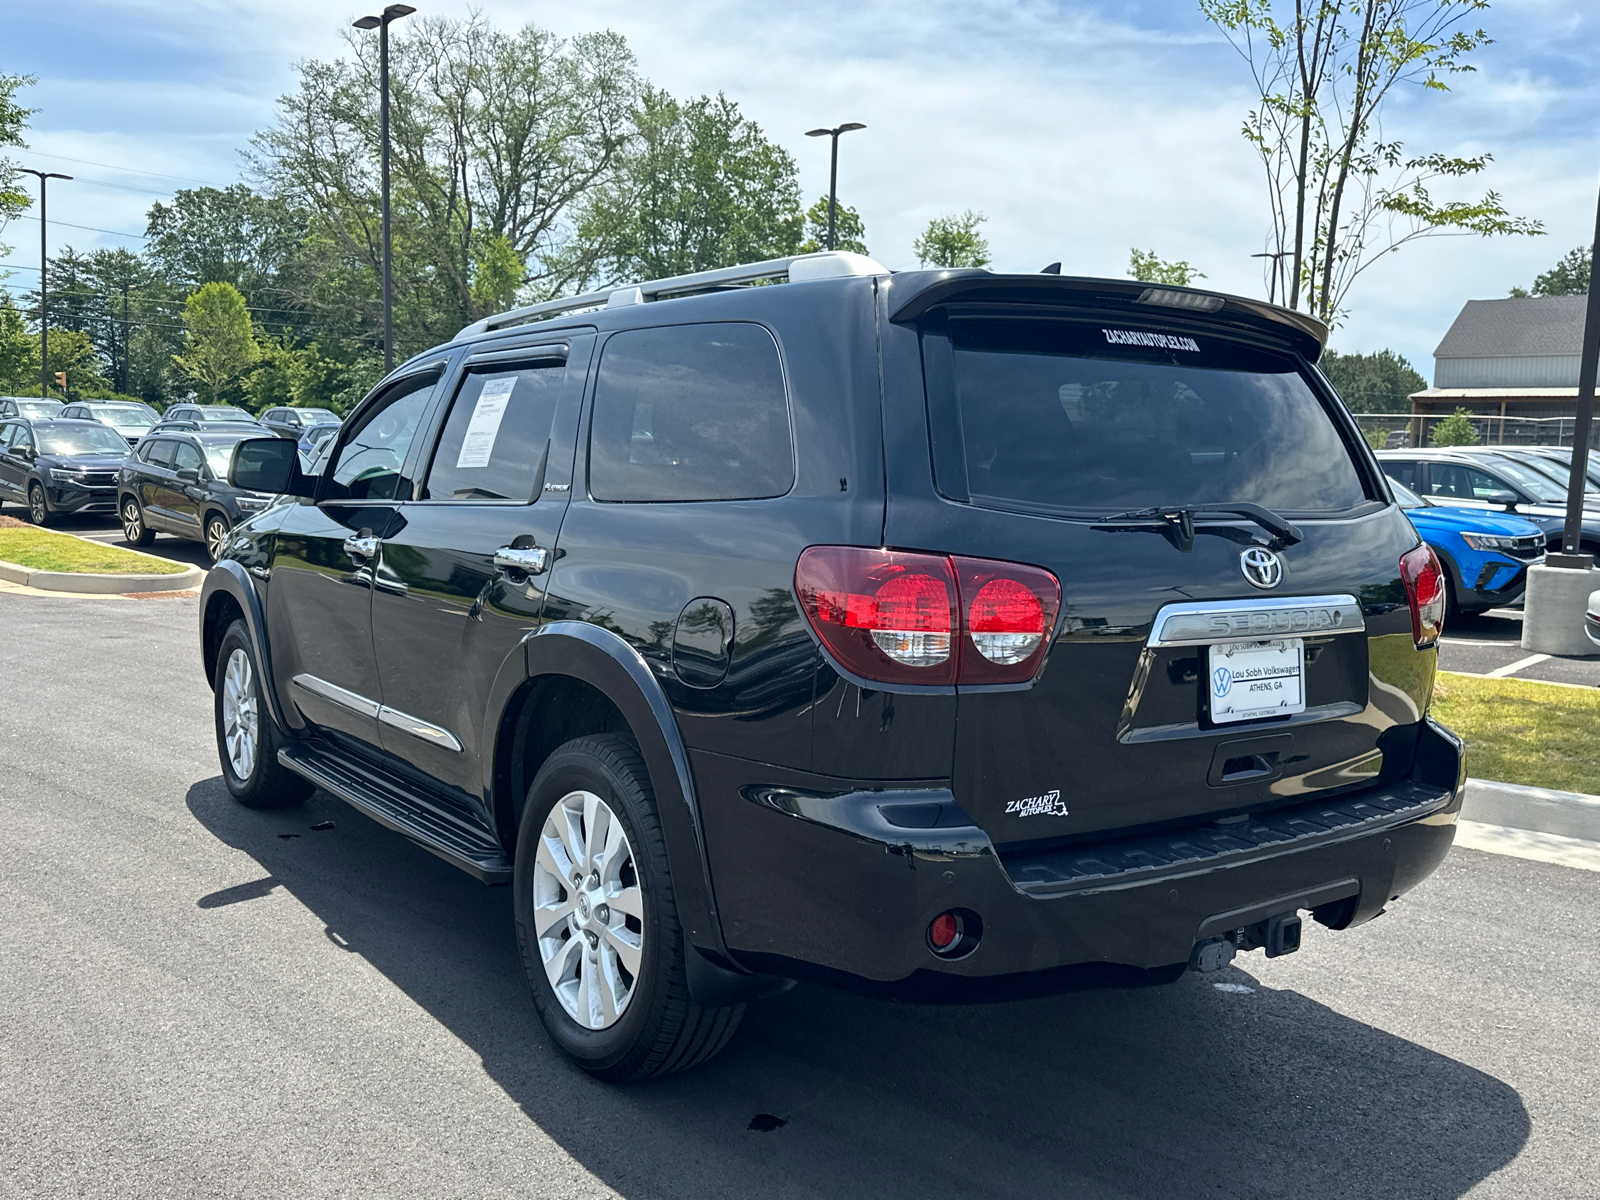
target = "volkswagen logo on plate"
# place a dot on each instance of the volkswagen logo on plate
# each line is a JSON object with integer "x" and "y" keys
{"x": 1261, "y": 567}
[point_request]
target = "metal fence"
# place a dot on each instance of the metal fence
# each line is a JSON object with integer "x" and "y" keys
{"x": 1410, "y": 429}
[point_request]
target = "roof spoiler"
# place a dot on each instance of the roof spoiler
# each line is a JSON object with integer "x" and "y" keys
{"x": 913, "y": 293}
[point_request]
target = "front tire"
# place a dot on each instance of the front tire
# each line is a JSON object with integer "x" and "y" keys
{"x": 38, "y": 506}
{"x": 134, "y": 531}
{"x": 597, "y": 920}
{"x": 247, "y": 737}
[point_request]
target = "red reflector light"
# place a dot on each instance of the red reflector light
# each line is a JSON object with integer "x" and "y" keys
{"x": 944, "y": 931}
{"x": 1425, "y": 584}
{"x": 895, "y": 616}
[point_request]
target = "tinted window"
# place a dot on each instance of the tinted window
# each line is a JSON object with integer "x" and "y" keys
{"x": 1403, "y": 472}
{"x": 691, "y": 412}
{"x": 1076, "y": 416}
{"x": 369, "y": 462}
{"x": 188, "y": 458}
{"x": 7, "y": 432}
{"x": 1455, "y": 482}
{"x": 496, "y": 437}
{"x": 161, "y": 452}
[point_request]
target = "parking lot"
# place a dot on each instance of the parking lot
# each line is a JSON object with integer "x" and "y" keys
{"x": 202, "y": 1000}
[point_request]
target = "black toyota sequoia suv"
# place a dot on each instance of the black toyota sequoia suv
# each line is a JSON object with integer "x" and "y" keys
{"x": 944, "y": 633}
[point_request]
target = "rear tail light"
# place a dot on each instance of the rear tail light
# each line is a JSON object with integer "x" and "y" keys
{"x": 898, "y": 617}
{"x": 1425, "y": 583}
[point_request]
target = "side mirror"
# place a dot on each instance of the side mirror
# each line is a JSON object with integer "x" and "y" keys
{"x": 1504, "y": 496}
{"x": 190, "y": 475}
{"x": 270, "y": 464}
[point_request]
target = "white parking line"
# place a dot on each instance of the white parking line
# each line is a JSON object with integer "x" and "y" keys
{"x": 1512, "y": 668}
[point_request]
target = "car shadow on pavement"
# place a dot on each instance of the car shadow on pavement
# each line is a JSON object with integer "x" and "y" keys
{"x": 1176, "y": 1091}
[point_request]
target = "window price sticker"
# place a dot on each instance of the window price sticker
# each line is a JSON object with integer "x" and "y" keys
{"x": 484, "y": 428}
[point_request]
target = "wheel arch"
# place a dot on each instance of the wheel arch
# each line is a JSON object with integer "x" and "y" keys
{"x": 227, "y": 595}
{"x": 582, "y": 679}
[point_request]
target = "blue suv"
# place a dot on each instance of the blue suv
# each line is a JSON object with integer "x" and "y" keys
{"x": 1486, "y": 555}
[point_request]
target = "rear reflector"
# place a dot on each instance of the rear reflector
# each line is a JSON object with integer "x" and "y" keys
{"x": 899, "y": 617}
{"x": 1425, "y": 583}
{"x": 944, "y": 931}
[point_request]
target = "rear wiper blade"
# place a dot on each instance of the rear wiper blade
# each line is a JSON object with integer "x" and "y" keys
{"x": 1177, "y": 521}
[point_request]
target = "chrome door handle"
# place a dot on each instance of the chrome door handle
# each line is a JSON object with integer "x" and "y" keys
{"x": 531, "y": 560}
{"x": 361, "y": 547}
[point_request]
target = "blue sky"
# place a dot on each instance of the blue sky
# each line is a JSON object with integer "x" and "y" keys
{"x": 1080, "y": 129}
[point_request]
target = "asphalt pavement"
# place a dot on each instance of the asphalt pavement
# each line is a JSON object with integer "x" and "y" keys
{"x": 1490, "y": 644}
{"x": 204, "y": 1001}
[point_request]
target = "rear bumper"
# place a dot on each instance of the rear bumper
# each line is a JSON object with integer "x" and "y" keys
{"x": 808, "y": 884}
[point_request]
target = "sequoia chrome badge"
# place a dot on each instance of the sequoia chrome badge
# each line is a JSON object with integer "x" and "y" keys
{"x": 1262, "y": 568}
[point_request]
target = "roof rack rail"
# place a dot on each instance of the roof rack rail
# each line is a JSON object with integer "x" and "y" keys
{"x": 798, "y": 268}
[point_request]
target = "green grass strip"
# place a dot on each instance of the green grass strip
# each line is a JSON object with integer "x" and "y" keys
{"x": 41, "y": 550}
{"x": 1521, "y": 731}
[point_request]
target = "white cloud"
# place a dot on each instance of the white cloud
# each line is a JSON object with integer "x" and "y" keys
{"x": 1079, "y": 134}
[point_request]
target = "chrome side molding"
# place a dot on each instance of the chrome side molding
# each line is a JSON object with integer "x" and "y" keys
{"x": 434, "y": 735}
{"x": 1205, "y": 623}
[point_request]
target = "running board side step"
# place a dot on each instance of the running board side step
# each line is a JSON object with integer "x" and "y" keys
{"x": 393, "y": 805}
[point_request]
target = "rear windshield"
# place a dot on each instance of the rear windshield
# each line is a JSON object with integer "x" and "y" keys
{"x": 223, "y": 413}
{"x": 1095, "y": 419}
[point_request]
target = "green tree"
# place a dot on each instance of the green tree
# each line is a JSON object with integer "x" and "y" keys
{"x": 699, "y": 187}
{"x": 498, "y": 271}
{"x": 849, "y": 232}
{"x": 218, "y": 341}
{"x": 280, "y": 374}
{"x": 1147, "y": 267}
{"x": 495, "y": 134}
{"x": 1569, "y": 277}
{"x": 1372, "y": 383}
{"x": 19, "y": 351}
{"x": 1455, "y": 430}
{"x": 13, "y": 120}
{"x": 1340, "y": 193}
{"x": 953, "y": 241}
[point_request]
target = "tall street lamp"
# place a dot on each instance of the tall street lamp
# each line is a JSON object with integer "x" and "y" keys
{"x": 44, "y": 319}
{"x": 393, "y": 13}
{"x": 833, "y": 169}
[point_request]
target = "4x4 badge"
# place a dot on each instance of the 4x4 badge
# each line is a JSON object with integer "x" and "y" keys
{"x": 1262, "y": 568}
{"x": 1048, "y": 805}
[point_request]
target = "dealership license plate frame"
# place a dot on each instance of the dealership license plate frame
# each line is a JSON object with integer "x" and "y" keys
{"x": 1241, "y": 669}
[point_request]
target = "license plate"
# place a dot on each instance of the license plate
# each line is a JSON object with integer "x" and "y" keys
{"x": 1257, "y": 679}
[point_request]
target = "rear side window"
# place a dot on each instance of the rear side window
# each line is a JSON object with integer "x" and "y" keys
{"x": 1402, "y": 472}
{"x": 690, "y": 412}
{"x": 497, "y": 435}
{"x": 1098, "y": 418}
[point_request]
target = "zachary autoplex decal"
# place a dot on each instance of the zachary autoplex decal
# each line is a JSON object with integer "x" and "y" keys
{"x": 1161, "y": 341}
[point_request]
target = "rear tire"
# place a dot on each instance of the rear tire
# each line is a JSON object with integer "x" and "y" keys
{"x": 134, "y": 530}
{"x": 38, "y": 506}
{"x": 247, "y": 737}
{"x": 618, "y": 1031}
{"x": 216, "y": 535}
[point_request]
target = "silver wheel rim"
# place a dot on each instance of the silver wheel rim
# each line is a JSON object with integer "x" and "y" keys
{"x": 588, "y": 910}
{"x": 36, "y": 508}
{"x": 132, "y": 524}
{"x": 240, "y": 723}
{"x": 216, "y": 538}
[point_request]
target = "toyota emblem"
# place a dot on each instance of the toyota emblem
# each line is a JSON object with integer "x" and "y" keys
{"x": 1261, "y": 567}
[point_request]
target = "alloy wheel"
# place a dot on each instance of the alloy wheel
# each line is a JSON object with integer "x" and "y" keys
{"x": 240, "y": 721}
{"x": 216, "y": 537}
{"x": 588, "y": 910}
{"x": 132, "y": 522}
{"x": 38, "y": 511}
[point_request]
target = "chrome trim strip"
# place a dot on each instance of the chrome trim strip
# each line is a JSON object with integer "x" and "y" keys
{"x": 335, "y": 694}
{"x": 1206, "y": 623}
{"x": 405, "y": 723}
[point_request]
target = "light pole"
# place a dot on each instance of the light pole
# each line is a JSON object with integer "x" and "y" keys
{"x": 1277, "y": 270}
{"x": 393, "y": 13}
{"x": 833, "y": 168}
{"x": 44, "y": 318}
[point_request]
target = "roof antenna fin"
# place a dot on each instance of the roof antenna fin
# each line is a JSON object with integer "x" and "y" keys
{"x": 1053, "y": 269}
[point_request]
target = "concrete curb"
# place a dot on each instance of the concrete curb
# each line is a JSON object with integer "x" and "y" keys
{"x": 102, "y": 585}
{"x": 1540, "y": 810}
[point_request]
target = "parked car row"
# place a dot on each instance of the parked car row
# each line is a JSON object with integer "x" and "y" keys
{"x": 157, "y": 473}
